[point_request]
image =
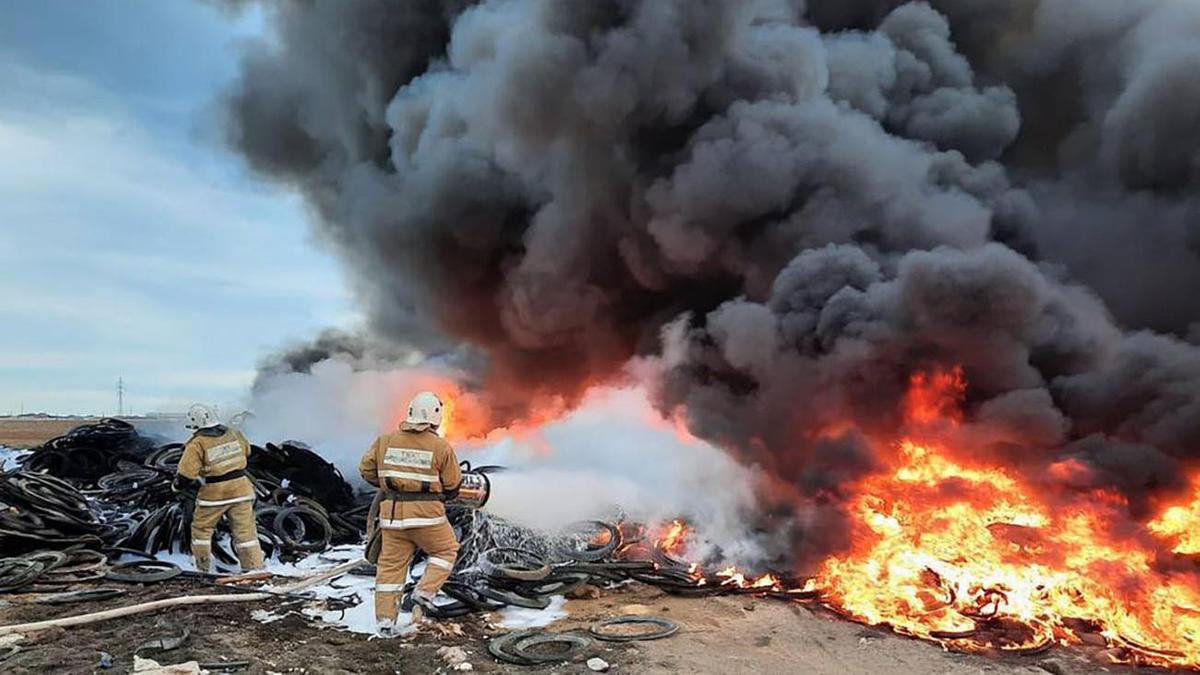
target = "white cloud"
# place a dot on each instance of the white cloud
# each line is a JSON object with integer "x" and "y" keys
{"x": 128, "y": 250}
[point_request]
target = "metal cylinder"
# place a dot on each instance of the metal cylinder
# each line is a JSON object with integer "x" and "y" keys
{"x": 473, "y": 491}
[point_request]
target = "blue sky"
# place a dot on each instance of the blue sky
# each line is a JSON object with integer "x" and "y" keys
{"x": 132, "y": 243}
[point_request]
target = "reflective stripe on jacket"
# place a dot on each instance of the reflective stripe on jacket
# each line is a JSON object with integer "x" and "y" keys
{"x": 411, "y": 461}
{"x": 215, "y": 452}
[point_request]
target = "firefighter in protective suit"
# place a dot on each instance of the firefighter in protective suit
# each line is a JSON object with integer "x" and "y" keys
{"x": 415, "y": 471}
{"x": 213, "y": 467}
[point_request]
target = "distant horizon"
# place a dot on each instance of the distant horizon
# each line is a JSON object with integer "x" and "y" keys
{"x": 88, "y": 416}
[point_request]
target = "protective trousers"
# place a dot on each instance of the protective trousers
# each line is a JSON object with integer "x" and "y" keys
{"x": 398, "y": 547}
{"x": 245, "y": 534}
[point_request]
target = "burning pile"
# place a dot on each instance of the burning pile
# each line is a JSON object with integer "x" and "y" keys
{"x": 504, "y": 564}
{"x": 975, "y": 557}
{"x": 978, "y": 558}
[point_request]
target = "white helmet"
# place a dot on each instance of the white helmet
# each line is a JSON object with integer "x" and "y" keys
{"x": 425, "y": 408}
{"x": 200, "y": 416}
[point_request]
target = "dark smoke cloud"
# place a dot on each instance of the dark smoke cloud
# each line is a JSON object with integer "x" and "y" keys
{"x": 797, "y": 205}
{"x": 1109, "y": 139}
{"x": 365, "y": 352}
{"x": 361, "y": 350}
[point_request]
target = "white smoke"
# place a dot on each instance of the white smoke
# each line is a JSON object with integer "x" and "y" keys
{"x": 613, "y": 453}
{"x": 337, "y": 408}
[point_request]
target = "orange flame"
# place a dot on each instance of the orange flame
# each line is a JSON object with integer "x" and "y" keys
{"x": 964, "y": 553}
{"x": 466, "y": 415}
{"x": 934, "y": 566}
{"x": 935, "y": 395}
{"x": 1180, "y": 525}
{"x": 976, "y": 558}
{"x": 673, "y": 541}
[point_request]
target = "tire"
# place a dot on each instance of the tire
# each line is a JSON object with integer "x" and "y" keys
{"x": 666, "y": 628}
{"x": 143, "y": 572}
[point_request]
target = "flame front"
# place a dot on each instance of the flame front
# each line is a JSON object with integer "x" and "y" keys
{"x": 967, "y": 553}
{"x": 1181, "y": 524}
{"x": 977, "y": 558}
{"x": 994, "y": 556}
{"x": 674, "y": 539}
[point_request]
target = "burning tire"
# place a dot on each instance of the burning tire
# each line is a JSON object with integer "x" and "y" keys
{"x": 576, "y": 533}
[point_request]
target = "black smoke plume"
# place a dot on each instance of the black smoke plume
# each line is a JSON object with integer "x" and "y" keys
{"x": 796, "y": 205}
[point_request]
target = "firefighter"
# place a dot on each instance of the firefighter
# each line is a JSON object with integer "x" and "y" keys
{"x": 415, "y": 471}
{"x": 213, "y": 467}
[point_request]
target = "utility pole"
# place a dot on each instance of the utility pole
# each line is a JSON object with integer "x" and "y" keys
{"x": 120, "y": 396}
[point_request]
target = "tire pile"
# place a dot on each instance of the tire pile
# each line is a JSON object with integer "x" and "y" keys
{"x": 105, "y": 485}
{"x": 48, "y": 570}
{"x": 49, "y": 573}
{"x": 40, "y": 511}
{"x": 90, "y": 451}
{"x": 503, "y": 565}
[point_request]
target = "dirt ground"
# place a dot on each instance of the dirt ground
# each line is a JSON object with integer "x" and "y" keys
{"x": 717, "y": 635}
{"x": 28, "y": 432}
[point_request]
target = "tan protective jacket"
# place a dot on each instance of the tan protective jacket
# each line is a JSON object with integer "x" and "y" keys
{"x": 215, "y": 452}
{"x": 411, "y": 461}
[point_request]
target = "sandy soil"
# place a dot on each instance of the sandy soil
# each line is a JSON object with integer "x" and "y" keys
{"x": 745, "y": 635}
{"x": 717, "y": 635}
{"x": 28, "y": 432}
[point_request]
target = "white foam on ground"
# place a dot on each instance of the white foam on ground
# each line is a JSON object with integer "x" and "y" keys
{"x": 10, "y": 457}
{"x": 357, "y": 619}
{"x": 263, "y": 616}
{"x": 183, "y": 560}
{"x": 521, "y": 617}
{"x": 316, "y": 562}
{"x": 361, "y": 617}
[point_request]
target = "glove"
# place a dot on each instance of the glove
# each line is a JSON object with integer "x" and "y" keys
{"x": 184, "y": 485}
